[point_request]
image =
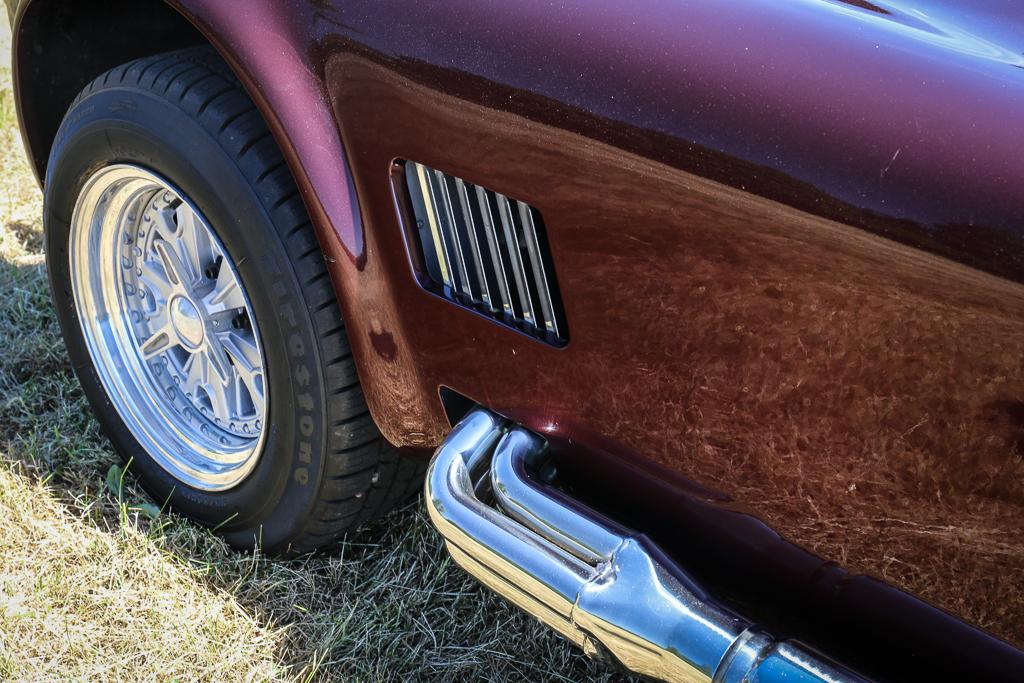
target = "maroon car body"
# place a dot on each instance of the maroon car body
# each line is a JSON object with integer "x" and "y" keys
{"x": 789, "y": 239}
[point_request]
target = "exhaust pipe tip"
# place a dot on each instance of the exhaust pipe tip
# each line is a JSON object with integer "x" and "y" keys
{"x": 603, "y": 587}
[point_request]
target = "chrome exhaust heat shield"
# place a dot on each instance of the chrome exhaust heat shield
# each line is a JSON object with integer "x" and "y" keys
{"x": 604, "y": 588}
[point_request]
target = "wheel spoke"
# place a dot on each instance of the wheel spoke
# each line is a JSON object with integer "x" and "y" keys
{"x": 163, "y": 223}
{"x": 196, "y": 374}
{"x": 177, "y": 253}
{"x": 203, "y": 375}
{"x": 226, "y": 294}
{"x": 218, "y": 360}
{"x": 247, "y": 367}
{"x": 217, "y": 389}
{"x": 196, "y": 249}
{"x": 242, "y": 349}
{"x": 157, "y": 280}
{"x": 177, "y": 272}
{"x": 157, "y": 343}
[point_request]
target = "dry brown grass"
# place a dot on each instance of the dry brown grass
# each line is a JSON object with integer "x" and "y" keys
{"x": 92, "y": 588}
{"x": 81, "y": 602}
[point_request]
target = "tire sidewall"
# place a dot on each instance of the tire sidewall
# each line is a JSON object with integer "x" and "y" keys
{"x": 133, "y": 126}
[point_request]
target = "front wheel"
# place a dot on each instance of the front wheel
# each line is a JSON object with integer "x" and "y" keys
{"x": 198, "y": 311}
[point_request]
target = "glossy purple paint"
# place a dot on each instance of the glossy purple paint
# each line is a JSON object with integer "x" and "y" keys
{"x": 714, "y": 175}
{"x": 264, "y": 41}
{"x": 880, "y": 111}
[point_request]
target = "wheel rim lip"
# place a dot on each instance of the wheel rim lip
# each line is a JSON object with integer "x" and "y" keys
{"x": 201, "y": 460}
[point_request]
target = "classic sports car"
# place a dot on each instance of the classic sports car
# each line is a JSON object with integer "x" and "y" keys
{"x": 724, "y": 299}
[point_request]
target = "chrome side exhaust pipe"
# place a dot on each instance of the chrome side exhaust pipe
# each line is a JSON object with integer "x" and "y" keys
{"x": 602, "y": 587}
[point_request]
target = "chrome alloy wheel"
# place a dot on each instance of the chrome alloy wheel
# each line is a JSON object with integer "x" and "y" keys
{"x": 169, "y": 327}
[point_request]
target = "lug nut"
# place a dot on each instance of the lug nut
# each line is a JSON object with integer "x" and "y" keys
{"x": 213, "y": 270}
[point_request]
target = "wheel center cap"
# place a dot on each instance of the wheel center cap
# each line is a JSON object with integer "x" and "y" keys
{"x": 187, "y": 322}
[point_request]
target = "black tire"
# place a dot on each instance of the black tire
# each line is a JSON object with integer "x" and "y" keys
{"x": 325, "y": 467}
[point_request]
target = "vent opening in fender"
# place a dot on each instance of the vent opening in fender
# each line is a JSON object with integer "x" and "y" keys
{"x": 485, "y": 251}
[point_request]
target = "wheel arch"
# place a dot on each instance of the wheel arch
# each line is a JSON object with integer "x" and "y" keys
{"x": 61, "y": 45}
{"x": 262, "y": 45}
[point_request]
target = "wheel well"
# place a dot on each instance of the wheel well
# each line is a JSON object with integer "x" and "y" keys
{"x": 61, "y": 45}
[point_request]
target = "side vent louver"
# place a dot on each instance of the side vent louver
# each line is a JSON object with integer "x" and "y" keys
{"x": 486, "y": 251}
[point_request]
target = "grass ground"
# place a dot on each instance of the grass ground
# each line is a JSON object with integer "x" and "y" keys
{"x": 94, "y": 586}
